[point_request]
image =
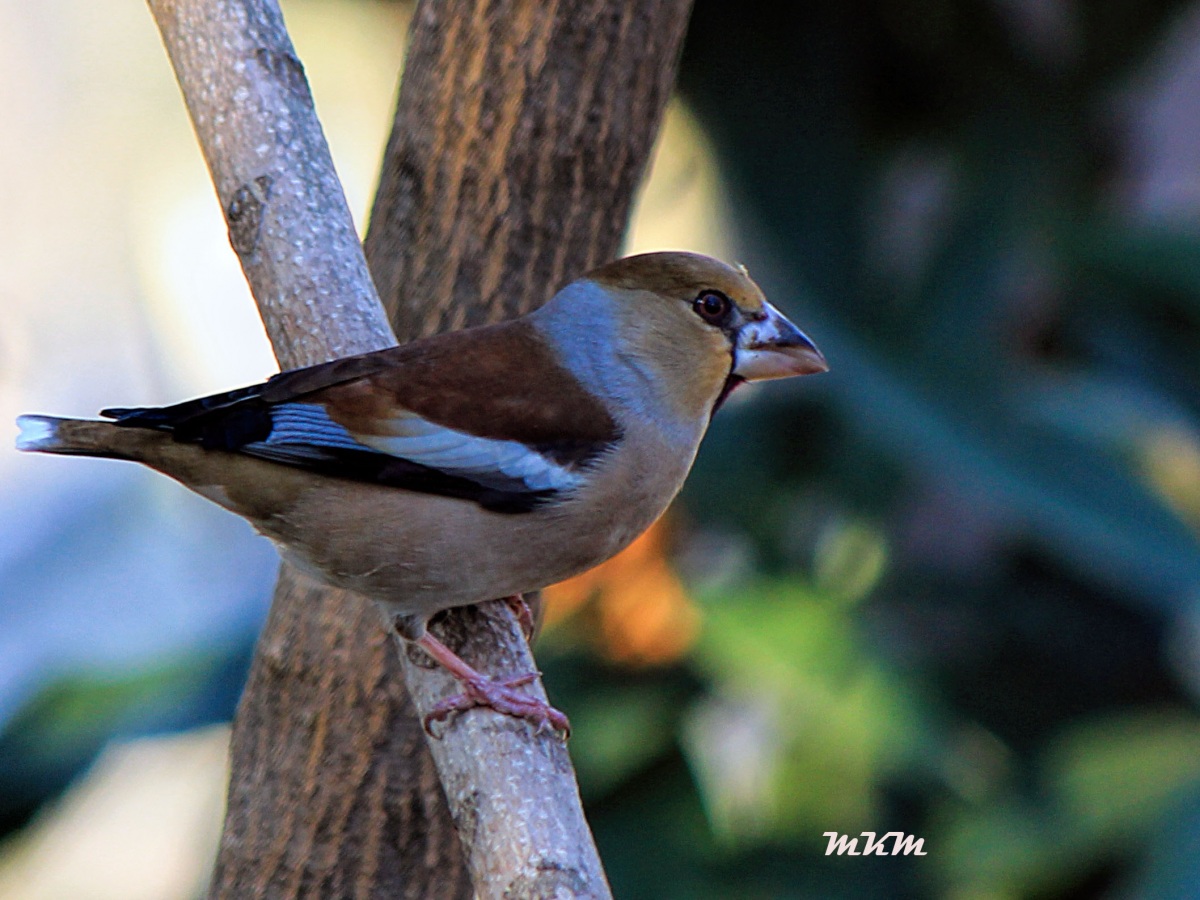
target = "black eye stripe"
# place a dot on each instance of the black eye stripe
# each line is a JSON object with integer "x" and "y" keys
{"x": 713, "y": 307}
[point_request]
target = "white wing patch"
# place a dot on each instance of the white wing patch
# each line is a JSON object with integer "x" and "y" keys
{"x": 305, "y": 431}
{"x": 485, "y": 460}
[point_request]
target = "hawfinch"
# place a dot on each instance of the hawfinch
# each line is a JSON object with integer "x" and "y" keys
{"x": 483, "y": 463}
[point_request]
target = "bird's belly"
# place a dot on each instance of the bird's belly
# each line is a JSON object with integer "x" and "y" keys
{"x": 419, "y": 554}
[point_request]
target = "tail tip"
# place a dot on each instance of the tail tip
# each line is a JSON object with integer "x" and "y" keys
{"x": 37, "y": 433}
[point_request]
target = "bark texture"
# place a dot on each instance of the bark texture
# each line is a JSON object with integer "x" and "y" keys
{"x": 288, "y": 220}
{"x": 521, "y": 134}
{"x": 522, "y": 130}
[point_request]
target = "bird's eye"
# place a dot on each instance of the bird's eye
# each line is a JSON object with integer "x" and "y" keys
{"x": 713, "y": 307}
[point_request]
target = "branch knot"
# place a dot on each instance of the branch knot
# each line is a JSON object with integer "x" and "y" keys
{"x": 244, "y": 214}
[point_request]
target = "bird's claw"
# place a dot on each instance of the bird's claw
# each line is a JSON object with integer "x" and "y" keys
{"x": 500, "y": 695}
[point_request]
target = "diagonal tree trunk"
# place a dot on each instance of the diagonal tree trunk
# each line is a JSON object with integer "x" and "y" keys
{"x": 522, "y": 130}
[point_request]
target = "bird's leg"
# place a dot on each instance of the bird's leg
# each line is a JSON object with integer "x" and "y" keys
{"x": 524, "y": 615}
{"x": 480, "y": 690}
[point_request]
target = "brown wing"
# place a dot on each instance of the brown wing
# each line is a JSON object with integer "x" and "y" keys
{"x": 499, "y": 381}
{"x": 488, "y": 414}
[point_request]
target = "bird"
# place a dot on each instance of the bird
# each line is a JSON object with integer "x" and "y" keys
{"x": 477, "y": 464}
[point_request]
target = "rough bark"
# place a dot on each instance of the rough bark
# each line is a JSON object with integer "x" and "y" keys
{"x": 522, "y": 130}
{"x": 288, "y": 220}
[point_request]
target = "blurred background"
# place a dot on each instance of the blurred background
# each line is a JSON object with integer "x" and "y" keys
{"x": 951, "y": 589}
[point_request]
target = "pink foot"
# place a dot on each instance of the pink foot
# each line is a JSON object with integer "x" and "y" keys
{"x": 480, "y": 690}
{"x": 501, "y": 696}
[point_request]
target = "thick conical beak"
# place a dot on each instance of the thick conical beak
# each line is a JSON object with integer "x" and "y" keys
{"x": 772, "y": 347}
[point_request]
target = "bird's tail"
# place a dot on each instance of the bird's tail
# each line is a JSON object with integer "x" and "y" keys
{"x": 202, "y": 470}
{"x": 78, "y": 437}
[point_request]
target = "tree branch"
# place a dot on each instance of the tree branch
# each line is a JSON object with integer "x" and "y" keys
{"x": 288, "y": 220}
{"x": 522, "y": 130}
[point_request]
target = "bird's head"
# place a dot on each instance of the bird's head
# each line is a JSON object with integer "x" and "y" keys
{"x": 690, "y": 327}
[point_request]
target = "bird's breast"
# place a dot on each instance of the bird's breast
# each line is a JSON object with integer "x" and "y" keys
{"x": 418, "y": 553}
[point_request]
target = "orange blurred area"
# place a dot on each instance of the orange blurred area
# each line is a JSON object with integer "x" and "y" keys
{"x": 642, "y": 612}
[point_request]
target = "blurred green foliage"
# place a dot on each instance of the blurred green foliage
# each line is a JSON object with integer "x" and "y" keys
{"x": 71, "y": 719}
{"x": 949, "y": 589}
